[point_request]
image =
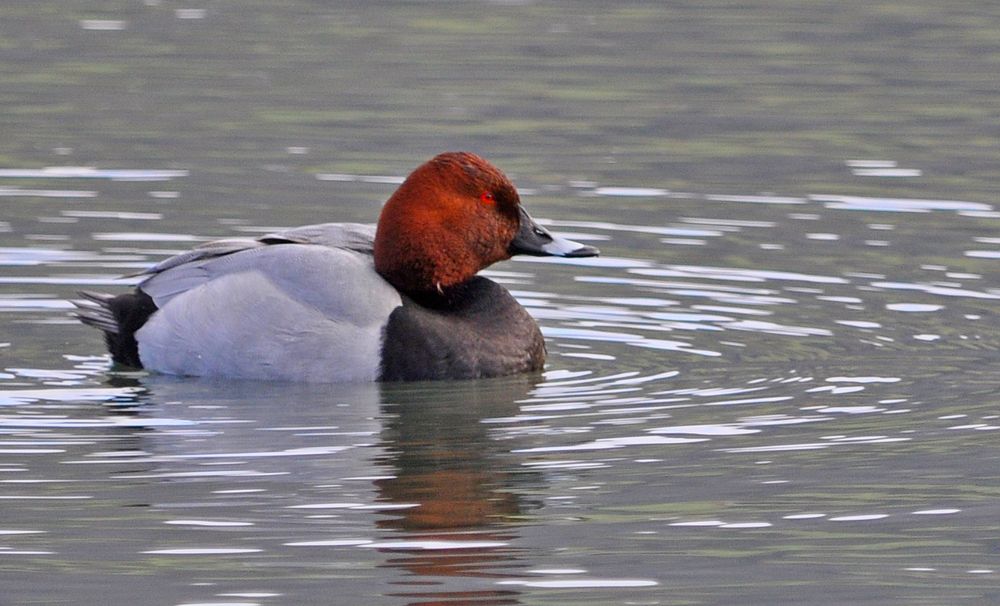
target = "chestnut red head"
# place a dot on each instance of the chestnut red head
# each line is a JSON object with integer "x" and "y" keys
{"x": 453, "y": 216}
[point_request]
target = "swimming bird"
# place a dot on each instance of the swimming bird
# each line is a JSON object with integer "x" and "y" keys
{"x": 340, "y": 302}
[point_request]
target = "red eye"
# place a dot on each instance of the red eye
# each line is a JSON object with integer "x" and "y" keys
{"x": 487, "y": 197}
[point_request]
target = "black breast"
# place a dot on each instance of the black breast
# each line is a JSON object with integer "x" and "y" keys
{"x": 477, "y": 330}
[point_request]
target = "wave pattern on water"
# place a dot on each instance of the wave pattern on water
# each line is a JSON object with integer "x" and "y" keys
{"x": 728, "y": 371}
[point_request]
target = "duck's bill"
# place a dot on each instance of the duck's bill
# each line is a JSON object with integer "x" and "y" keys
{"x": 533, "y": 239}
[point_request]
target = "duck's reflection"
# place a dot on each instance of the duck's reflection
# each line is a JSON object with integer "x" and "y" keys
{"x": 462, "y": 494}
{"x": 449, "y": 493}
{"x": 445, "y": 461}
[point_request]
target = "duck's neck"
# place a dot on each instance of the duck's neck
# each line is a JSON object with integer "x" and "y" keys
{"x": 446, "y": 297}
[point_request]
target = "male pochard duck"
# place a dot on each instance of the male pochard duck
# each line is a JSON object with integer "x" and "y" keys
{"x": 347, "y": 301}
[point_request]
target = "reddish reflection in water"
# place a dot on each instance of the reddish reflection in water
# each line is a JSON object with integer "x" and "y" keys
{"x": 461, "y": 498}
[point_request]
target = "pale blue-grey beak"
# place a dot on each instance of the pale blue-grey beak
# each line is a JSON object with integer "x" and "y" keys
{"x": 533, "y": 239}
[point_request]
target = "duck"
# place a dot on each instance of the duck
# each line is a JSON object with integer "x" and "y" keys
{"x": 347, "y": 302}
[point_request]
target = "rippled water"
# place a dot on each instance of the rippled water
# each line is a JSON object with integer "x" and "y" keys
{"x": 778, "y": 385}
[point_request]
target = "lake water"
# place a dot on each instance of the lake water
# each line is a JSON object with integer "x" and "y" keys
{"x": 778, "y": 385}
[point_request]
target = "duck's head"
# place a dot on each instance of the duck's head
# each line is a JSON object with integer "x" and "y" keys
{"x": 453, "y": 216}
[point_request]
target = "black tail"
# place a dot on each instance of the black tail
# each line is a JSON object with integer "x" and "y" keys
{"x": 119, "y": 317}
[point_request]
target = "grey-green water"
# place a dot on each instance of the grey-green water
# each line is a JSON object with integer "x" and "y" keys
{"x": 778, "y": 385}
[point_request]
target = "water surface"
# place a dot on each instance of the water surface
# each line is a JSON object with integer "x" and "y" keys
{"x": 777, "y": 385}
